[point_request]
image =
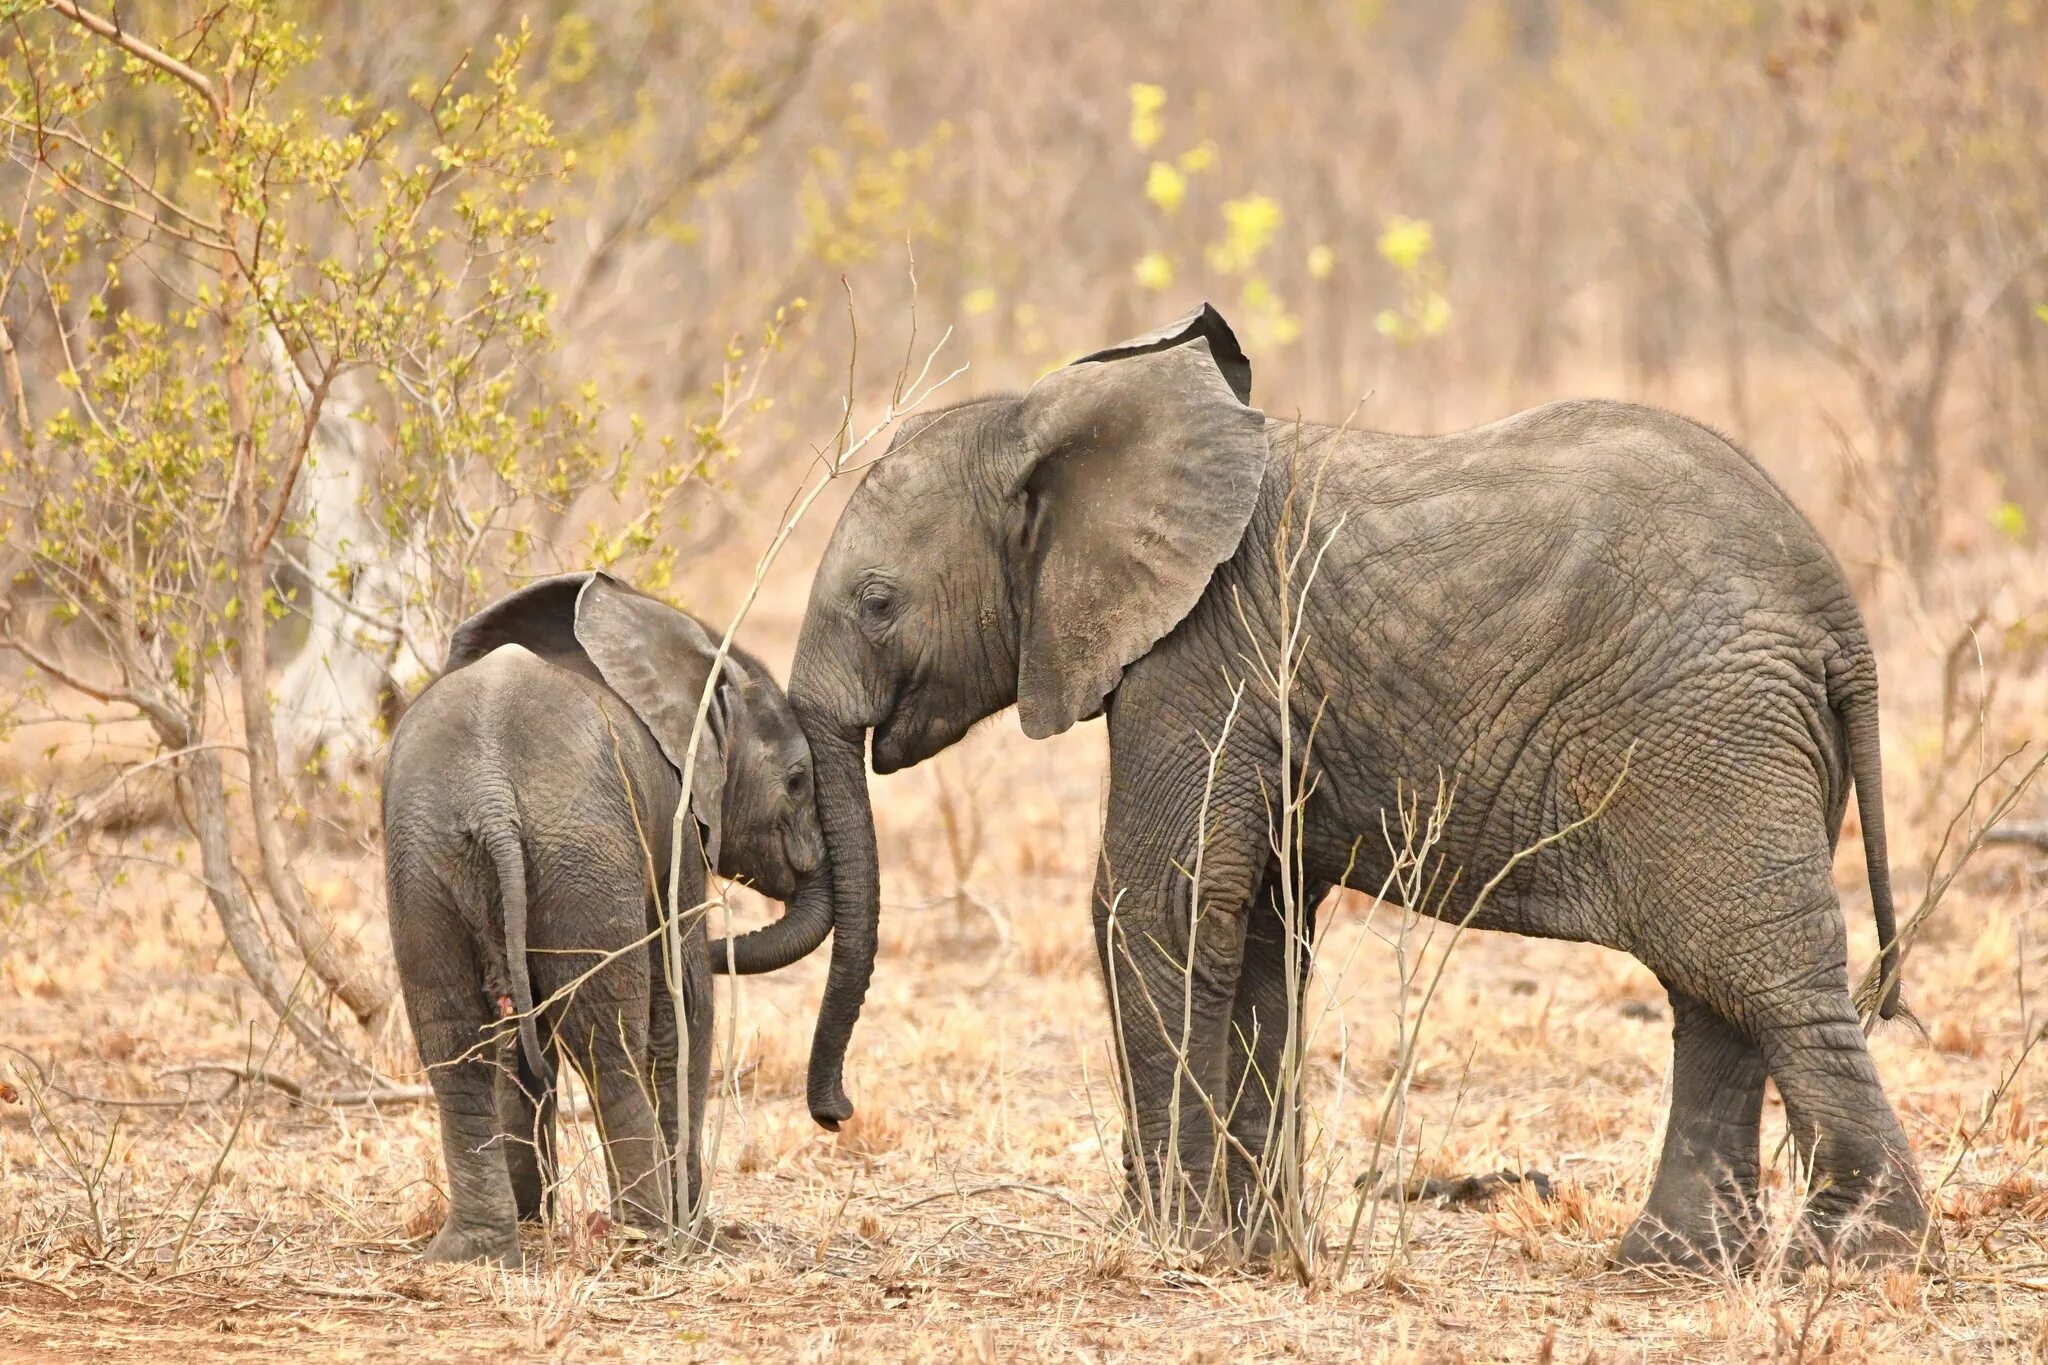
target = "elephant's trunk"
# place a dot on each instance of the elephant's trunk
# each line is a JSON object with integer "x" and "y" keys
{"x": 790, "y": 939}
{"x": 840, "y": 756}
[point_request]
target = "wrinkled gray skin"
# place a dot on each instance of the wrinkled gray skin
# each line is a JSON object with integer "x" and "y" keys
{"x": 515, "y": 865}
{"x": 1524, "y": 609}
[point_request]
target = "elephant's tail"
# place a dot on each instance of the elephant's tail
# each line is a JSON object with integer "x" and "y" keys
{"x": 501, "y": 840}
{"x": 1852, "y": 690}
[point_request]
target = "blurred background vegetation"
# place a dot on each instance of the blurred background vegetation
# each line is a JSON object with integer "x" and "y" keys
{"x": 323, "y": 321}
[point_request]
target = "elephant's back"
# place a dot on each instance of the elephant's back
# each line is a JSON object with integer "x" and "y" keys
{"x": 557, "y": 741}
{"x": 1532, "y": 607}
{"x": 1572, "y": 523}
{"x": 1590, "y": 467}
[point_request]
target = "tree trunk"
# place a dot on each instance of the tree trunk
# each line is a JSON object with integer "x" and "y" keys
{"x": 206, "y": 797}
{"x": 1734, "y": 346}
{"x": 204, "y": 803}
{"x": 338, "y": 961}
{"x": 330, "y": 694}
{"x": 1916, "y": 516}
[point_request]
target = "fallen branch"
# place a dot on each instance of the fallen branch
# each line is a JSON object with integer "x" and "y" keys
{"x": 2020, "y": 836}
{"x": 297, "y": 1092}
{"x": 237, "y": 1077}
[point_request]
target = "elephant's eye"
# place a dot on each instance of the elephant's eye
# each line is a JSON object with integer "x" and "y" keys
{"x": 875, "y": 602}
{"x": 798, "y": 782}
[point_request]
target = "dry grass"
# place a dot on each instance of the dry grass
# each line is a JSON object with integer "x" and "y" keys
{"x": 960, "y": 1214}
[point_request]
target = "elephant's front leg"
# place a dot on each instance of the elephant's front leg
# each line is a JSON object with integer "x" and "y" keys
{"x": 1171, "y": 953}
{"x": 682, "y": 1064}
{"x": 1265, "y": 1103}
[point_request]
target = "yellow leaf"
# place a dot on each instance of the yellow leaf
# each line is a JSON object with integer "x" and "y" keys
{"x": 1146, "y": 126}
{"x": 1435, "y": 316}
{"x": 979, "y": 301}
{"x": 1321, "y": 262}
{"x": 1199, "y": 157}
{"x": 1165, "y": 186}
{"x": 2010, "y": 521}
{"x": 1248, "y": 227}
{"x": 1153, "y": 271}
{"x": 1405, "y": 241}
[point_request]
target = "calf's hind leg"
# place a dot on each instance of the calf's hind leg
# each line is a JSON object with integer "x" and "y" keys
{"x": 1866, "y": 1202}
{"x": 526, "y": 1116}
{"x": 683, "y": 1078}
{"x": 604, "y": 1032}
{"x": 442, "y": 979}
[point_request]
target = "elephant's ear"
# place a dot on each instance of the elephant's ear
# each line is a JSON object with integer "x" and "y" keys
{"x": 657, "y": 659}
{"x": 1204, "y": 323}
{"x": 541, "y": 616}
{"x": 1142, "y": 467}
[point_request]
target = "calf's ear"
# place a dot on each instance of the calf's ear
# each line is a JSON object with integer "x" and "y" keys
{"x": 540, "y": 616}
{"x": 658, "y": 660}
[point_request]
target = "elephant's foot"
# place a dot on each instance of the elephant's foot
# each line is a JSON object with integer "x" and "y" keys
{"x": 1893, "y": 1229}
{"x": 535, "y": 1205}
{"x": 1266, "y": 1244}
{"x": 1199, "y": 1234}
{"x": 532, "y": 1191}
{"x": 457, "y": 1242}
{"x": 646, "y": 1216}
{"x": 1666, "y": 1242}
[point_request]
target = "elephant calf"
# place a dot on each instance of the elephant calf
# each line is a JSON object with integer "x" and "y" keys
{"x": 527, "y": 815}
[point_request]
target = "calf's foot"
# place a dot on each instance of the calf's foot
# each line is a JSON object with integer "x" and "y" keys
{"x": 457, "y": 1242}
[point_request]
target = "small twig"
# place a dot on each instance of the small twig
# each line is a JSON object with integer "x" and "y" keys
{"x": 220, "y": 1161}
{"x": 23, "y": 1277}
{"x": 995, "y": 1187}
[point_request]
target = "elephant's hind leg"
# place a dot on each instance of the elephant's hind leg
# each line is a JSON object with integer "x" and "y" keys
{"x": 526, "y": 1116}
{"x": 443, "y": 980}
{"x": 1703, "y": 1212}
{"x": 683, "y": 1075}
{"x": 1865, "y": 1201}
{"x": 623, "y": 1083}
{"x": 605, "y": 1033}
{"x": 1779, "y": 976}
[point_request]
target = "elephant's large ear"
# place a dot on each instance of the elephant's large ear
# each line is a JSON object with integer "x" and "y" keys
{"x": 657, "y": 659}
{"x": 541, "y": 616}
{"x": 1204, "y": 323}
{"x": 1142, "y": 468}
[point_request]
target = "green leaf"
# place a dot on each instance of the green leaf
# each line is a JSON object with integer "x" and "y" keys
{"x": 2010, "y": 521}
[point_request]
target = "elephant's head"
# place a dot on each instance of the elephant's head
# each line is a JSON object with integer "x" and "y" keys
{"x": 752, "y": 785}
{"x": 1024, "y": 549}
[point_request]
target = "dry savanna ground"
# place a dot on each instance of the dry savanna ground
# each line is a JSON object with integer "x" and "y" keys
{"x": 155, "y": 1210}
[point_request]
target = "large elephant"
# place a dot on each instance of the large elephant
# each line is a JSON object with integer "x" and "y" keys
{"x": 1529, "y": 609}
{"x": 527, "y": 815}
